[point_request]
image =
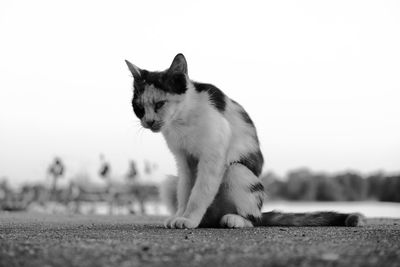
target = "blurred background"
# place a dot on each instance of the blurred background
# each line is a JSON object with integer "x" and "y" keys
{"x": 319, "y": 79}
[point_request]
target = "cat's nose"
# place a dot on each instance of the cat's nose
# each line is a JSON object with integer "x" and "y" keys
{"x": 150, "y": 123}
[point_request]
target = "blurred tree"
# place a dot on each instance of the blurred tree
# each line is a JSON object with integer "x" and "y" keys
{"x": 4, "y": 188}
{"x": 273, "y": 186}
{"x": 327, "y": 189}
{"x": 354, "y": 186}
{"x": 391, "y": 189}
{"x": 301, "y": 185}
{"x": 5, "y": 192}
{"x": 375, "y": 185}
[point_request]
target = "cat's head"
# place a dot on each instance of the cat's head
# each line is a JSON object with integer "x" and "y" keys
{"x": 158, "y": 95}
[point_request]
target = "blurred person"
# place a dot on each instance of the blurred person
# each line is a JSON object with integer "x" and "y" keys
{"x": 105, "y": 169}
{"x": 56, "y": 170}
{"x": 132, "y": 174}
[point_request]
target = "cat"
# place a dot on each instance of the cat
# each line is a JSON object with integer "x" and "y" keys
{"x": 217, "y": 152}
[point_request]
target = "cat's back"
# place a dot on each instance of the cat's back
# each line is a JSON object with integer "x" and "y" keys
{"x": 243, "y": 139}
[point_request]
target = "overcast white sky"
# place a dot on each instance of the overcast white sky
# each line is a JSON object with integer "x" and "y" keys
{"x": 321, "y": 79}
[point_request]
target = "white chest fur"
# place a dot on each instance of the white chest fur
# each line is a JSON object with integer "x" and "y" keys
{"x": 198, "y": 131}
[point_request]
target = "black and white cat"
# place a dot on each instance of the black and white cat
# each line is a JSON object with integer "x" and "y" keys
{"x": 217, "y": 152}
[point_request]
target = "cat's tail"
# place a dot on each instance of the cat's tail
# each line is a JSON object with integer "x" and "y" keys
{"x": 323, "y": 218}
{"x": 168, "y": 193}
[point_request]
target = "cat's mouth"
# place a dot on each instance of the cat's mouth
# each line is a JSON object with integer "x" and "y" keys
{"x": 155, "y": 128}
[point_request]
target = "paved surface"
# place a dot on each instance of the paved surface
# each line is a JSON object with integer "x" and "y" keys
{"x": 76, "y": 240}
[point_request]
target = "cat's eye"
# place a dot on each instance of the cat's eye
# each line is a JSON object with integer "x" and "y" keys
{"x": 159, "y": 105}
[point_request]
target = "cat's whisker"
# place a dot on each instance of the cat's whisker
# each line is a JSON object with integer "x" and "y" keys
{"x": 139, "y": 131}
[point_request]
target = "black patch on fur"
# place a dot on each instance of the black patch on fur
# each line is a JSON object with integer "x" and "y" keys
{"x": 354, "y": 219}
{"x": 137, "y": 108}
{"x": 244, "y": 114}
{"x": 173, "y": 83}
{"x": 153, "y": 77}
{"x": 337, "y": 219}
{"x": 246, "y": 117}
{"x": 138, "y": 88}
{"x": 260, "y": 202}
{"x": 217, "y": 97}
{"x": 255, "y": 220}
{"x": 258, "y": 187}
{"x": 324, "y": 218}
{"x": 253, "y": 161}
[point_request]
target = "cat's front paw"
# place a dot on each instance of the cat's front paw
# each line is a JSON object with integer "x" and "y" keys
{"x": 168, "y": 222}
{"x": 183, "y": 223}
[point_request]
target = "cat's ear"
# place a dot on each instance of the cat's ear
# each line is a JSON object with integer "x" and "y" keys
{"x": 136, "y": 72}
{"x": 179, "y": 64}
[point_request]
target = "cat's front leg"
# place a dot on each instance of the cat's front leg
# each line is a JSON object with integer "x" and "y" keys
{"x": 185, "y": 184}
{"x": 203, "y": 193}
{"x": 211, "y": 168}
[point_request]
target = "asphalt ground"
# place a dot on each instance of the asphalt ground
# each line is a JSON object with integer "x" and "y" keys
{"x": 29, "y": 239}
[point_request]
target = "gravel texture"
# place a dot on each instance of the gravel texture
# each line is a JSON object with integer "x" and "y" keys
{"x": 29, "y": 239}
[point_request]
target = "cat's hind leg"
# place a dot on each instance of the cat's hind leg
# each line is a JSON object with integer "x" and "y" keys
{"x": 245, "y": 191}
{"x": 234, "y": 221}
